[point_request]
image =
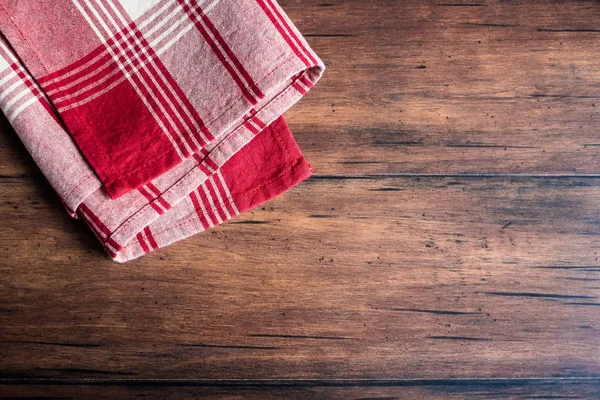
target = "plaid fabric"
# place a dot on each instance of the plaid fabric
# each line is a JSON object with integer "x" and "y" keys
{"x": 155, "y": 119}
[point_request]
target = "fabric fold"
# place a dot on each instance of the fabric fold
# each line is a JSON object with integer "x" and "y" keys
{"x": 157, "y": 119}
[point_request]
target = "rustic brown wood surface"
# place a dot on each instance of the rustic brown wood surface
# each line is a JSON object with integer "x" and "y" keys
{"x": 447, "y": 246}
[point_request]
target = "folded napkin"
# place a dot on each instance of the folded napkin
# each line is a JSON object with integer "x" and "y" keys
{"x": 155, "y": 119}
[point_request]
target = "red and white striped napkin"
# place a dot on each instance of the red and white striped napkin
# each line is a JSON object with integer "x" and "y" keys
{"x": 155, "y": 119}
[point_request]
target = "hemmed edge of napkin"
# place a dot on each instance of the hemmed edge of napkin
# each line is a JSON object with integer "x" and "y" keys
{"x": 191, "y": 225}
{"x": 286, "y": 168}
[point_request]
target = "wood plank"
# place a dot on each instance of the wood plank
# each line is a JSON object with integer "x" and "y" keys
{"x": 406, "y": 278}
{"x": 421, "y": 87}
{"x": 367, "y": 390}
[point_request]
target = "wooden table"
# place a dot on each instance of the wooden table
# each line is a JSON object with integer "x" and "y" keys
{"x": 447, "y": 246}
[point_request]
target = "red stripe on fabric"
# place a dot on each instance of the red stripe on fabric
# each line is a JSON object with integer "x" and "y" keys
{"x": 305, "y": 81}
{"x": 198, "y": 24}
{"x": 292, "y": 34}
{"x": 114, "y": 244}
{"x": 24, "y": 76}
{"x": 71, "y": 102}
{"x": 153, "y": 188}
{"x": 111, "y": 11}
{"x": 150, "y": 238}
{"x": 101, "y": 64}
{"x": 231, "y": 55}
{"x": 67, "y": 97}
{"x": 283, "y": 33}
{"x": 215, "y": 200}
{"x": 158, "y": 194}
{"x": 207, "y": 135}
{"x": 259, "y": 123}
{"x": 210, "y": 214}
{"x": 227, "y": 200}
{"x": 142, "y": 243}
{"x": 299, "y": 88}
{"x": 147, "y": 195}
{"x": 93, "y": 228}
{"x": 63, "y": 71}
{"x": 164, "y": 203}
{"x": 95, "y": 219}
{"x": 50, "y": 110}
{"x": 251, "y": 127}
{"x": 204, "y": 169}
{"x": 198, "y": 209}
{"x": 94, "y": 70}
{"x": 188, "y": 106}
{"x": 206, "y": 164}
{"x": 102, "y": 73}
{"x": 151, "y": 198}
{"x": 157, "y": 110}
{"x": 211, "y": 164}
{"x": 156, "y": 208}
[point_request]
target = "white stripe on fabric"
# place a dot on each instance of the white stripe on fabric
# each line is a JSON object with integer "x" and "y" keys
{"x": 8, "y": 77}
{"x": 10, "y": 89}
{"x": 4, "y": 64}
{"x": 79, "y": 69}
{"x": 206, "y": 215}
{"x": 227, "y": 193}
{"x": 66, "y": 96}
{"x": 137, "y": 8}
{"x": 82, "y": 79}
{"x": 22, "y": 108}
{"x": 20, "y": 95}
{"x": 212, "y": 204}
{"x": 16, "y": 98}
{"x": 9, "y": 53}
{"x": 219, "y": 197}
{"x": 187, "y": 28}
{"x": 93, "y": 96}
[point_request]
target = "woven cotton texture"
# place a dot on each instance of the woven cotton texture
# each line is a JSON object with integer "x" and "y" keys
{"x": 155, "y": 119}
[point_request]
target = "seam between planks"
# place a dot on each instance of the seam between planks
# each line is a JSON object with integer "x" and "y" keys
{"x": 307, "y": 382}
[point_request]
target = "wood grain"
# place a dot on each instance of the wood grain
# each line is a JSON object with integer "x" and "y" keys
{"x": 423, "y": 87}
{"x": 430, "y": 278}
{"x": 447, "y": 246}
